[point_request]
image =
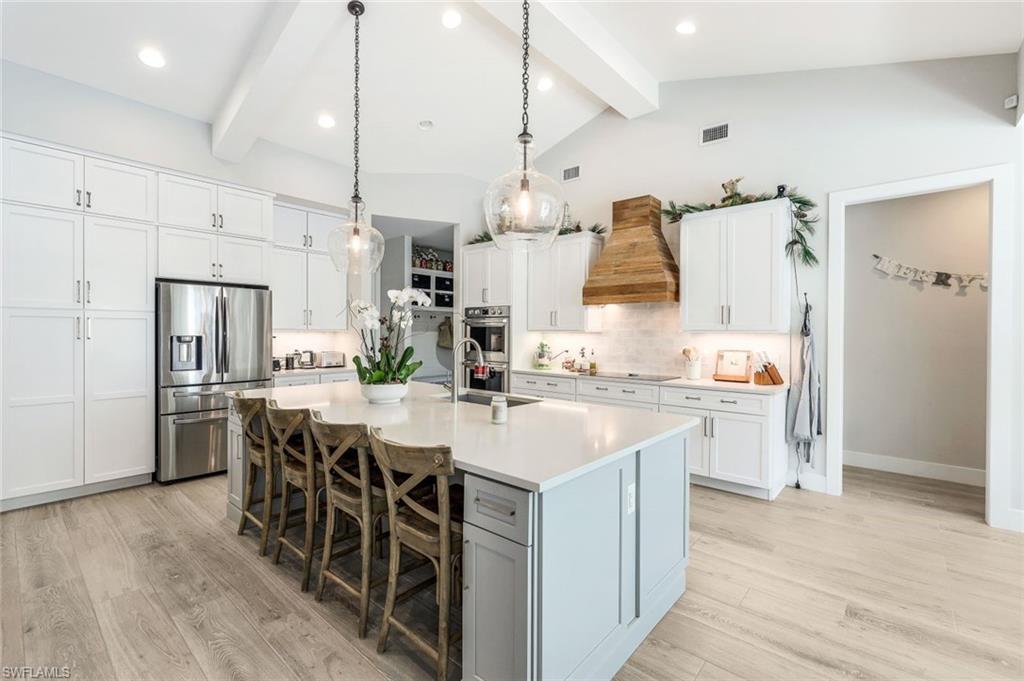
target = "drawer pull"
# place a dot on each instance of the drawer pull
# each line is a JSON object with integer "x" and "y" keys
{"x": 690, "y": 397}
{"x": 728, "y": 401}
{"x": 629, "y": 392}
{"x": 553, "y": 385}
{"x": 496, "y": 507}
{"x": 597, "y": 387}
{"x": 531, "y": 383}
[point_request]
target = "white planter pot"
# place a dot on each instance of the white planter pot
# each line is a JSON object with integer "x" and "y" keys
{"x": 384, "y": 393}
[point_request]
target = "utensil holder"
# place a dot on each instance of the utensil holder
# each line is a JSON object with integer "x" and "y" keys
{"x": 693, "y": 370}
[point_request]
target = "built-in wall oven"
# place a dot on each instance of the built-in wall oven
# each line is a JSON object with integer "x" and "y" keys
{"x": 488, "y": 326}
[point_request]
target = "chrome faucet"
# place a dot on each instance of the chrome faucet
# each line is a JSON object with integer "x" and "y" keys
{"x": 455, "y": 354}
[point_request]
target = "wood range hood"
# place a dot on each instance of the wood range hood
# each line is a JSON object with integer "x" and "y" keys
{"x": 636, "y": 266}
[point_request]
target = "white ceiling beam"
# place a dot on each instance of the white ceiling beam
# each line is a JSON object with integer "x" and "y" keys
{"x": 570, "y": 36}
{"x": 292, "y": 33}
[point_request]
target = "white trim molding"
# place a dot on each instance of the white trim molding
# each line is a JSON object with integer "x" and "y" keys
{"x": 1004, "y": 427}
{"x": 915, "y": 467}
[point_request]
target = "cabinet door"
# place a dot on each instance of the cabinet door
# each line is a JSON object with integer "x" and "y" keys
{"x": 119, "y": 190}
{"x": 290, "y": 227}
{"x": 120, "y": 397}
{"x": 245, "y": 213}
{"x": 243, "y": 261}
{"x": 498, "y": 289}
{"x": 496, "y": 607}
{"x": 754, "y": 270}
{"x": 328, "y": 305}
{"x": 570, "y": 273}
{"x": 702, "y": 245}
{"x": 187, "y": 203}
{"x": 120, "y": 264}
{"x": 474, "y": 276}
{"x": 697, "y": 442}
{"x": 184, "y": 254}
{"x": 542, "y": 295}
{"x": 739, "y": 448}
{"x": 43, "y": 176}
{"x": 318, "y": 226}
{"x": 42, "y": 401}
{"x": 288, "y": 285}
{"x": 41, "y": 251}
{"x": 236, "y": 458}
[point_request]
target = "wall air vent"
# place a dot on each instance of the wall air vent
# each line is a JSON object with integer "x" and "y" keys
{"x": 570, "y": 174}
{"x": 714, "y": 133}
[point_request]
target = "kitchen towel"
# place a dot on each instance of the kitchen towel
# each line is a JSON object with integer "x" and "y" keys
{"x": 444, "y": 334}
{"x": 805, "y": 427}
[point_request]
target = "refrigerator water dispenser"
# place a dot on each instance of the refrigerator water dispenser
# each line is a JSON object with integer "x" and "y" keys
{"x": 186, "y": 353}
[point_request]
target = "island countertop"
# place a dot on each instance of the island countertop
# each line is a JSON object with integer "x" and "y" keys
{"x": 543, "y": 445}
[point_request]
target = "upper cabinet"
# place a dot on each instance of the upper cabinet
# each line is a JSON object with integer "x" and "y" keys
{"x": 734, "y": 269}
{"x": 296, "y": 227}
{"x": 195, "y": 204}
{"x": 58, "y": 179}
{"x": 486, "y": 276}
{"x": 555, "y": 279}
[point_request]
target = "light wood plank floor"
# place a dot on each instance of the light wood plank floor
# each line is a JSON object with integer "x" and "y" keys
{"x": 897, "y": 579}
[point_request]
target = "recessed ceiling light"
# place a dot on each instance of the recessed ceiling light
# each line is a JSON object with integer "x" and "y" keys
{"x": 545, "y": 84}
{"x": 425, "y": 125}
{"x": 451, "y": 19}
{"x": 151, "y": 57}
{"x": 325, "y": 120}
{"x": 686, "y": 27}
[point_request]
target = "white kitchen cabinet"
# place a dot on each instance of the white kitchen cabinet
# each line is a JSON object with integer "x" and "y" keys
{"x": 496, "y": 607}
{"x": 119, "y": 190}
{"x": 698, "y": 446}
{"x": 337, "y": 378}
{"x": 43, "y": 393}
{"x": 319, "y": 225}
{"x": 120, "y": 264}
{"x": 186, "y": 254}
{"x": 288, "y": 284}
{"x": 282, "y": 381}
{"x": 739, "y": 449}
{"x": 486, "y": 276}
{"x": 120, "y": 396}
{"x": 326, "y": 295}
{"x": 735, "y": 272}
{"x": 290, "y": 227}
{"x": 42, "y": 253}
{"x": 244, "y": 213}
{"x": 43, "y": 176}
{"x": 185, "y": 202}
{"x": 555, "y": 279}
{"x": 243, "y": 261}
{"x": 642, "y": 406}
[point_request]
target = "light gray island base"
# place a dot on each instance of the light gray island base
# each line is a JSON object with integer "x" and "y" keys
{"x": 576, "y": 523}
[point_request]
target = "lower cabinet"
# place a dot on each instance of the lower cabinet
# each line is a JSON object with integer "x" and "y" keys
{"x": 739, "y": 449}
{"x": 643, "y": 406}
{"x": 337, "y": 378}
{"x": 697, "y": 443}
{"x": 282, "y": 381}
{"x": 497, "y": 576}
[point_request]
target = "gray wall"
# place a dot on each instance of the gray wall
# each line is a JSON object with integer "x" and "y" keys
{"x": 915, "y": 364}
{"x": 824, "y": 131}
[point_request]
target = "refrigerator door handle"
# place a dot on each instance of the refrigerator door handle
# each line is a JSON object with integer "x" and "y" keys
{"x": 216, "y": 335}
{"x": 225, "y": 359}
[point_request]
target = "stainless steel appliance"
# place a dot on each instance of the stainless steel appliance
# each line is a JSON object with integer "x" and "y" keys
{"x": 210, "y": 340}
{"x": 490, "y": 328}
{"x": 307, "y": 359}
{"x": 331, "y": 358}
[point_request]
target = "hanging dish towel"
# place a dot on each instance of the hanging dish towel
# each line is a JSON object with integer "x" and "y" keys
{"x": 805, "y": 428}
{"x": 444, "y": 334}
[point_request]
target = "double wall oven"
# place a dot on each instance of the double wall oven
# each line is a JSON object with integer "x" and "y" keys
{"x": 488, "y": 326}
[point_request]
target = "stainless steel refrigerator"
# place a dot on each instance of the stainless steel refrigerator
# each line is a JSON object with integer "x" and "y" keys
{"x": 211, "y": 339}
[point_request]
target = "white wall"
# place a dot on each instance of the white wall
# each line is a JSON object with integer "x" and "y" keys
{"x": 820, "y": 130}
{"x": 1020, "y": 84}
{"x": 915, "y": 361}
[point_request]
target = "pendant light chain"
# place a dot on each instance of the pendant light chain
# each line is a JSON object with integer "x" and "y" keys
{"x": 355, "y": 140}
{"x": 526, "y": 66}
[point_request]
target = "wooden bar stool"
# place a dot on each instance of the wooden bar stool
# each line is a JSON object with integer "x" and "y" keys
{"x": 293, "y": 443}
{"x": 350, "y": 474}
{"x": 430, "y": 526}
{"x": 262, "y": 457}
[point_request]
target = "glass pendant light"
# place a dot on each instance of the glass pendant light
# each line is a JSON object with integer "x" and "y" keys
{"x": 355, "y": 246}
{"x": 523, "y": 207}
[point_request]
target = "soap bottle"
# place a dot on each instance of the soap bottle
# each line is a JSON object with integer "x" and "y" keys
{"x": 593, "y": 363}
{"x": 581, "y": 364}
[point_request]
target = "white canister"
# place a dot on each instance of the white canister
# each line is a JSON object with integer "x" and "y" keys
{"x": 499, "y": 409}
{"x": 693, "y": 370}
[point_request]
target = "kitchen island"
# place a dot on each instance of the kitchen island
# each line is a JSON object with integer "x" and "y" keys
{"x": 576, "y": 521}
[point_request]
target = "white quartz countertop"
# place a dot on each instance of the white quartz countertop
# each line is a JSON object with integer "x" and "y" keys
{"x": 698, "y": 384}
{"x": 314, "y": 372}
{"x": 542, "y": 446}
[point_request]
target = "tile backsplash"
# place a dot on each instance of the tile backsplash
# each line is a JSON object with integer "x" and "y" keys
{"x": 645, "y": 338}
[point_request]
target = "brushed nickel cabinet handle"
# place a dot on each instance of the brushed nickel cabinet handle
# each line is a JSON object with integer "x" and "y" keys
{"x": 496, "y": 507}
{"x": 629, "y": 392}
{"x": 221, "y": 220}
{"x": 213, "y": 270}
{"x": 78, "y": 290}
{"x": 597, "y": 387}
{"x": 704, "y": 420}
{"x": 728, "y": 401}
{"x": 728, "y": 314}
{"x": 690, "y": 397}
{"x": 88, "y": 199}
{"x": 78, "y": 197}
{"x": 214, "y": 223}
{"x": 78, "y": 328}
{"x": 311, "y": 241}
{"x": 88, "y": 328}
{"x": 220, "y": 268}
{"x": 88, "y": 291}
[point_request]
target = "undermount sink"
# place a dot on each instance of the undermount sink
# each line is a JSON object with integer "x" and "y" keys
{"x": 485, "y": 399}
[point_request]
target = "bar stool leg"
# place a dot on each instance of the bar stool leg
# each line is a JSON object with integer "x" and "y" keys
{"x": 366, "y": 539}
{"x": 444, "y": 583}
{"x": 394, "y": 560}
{"x": 268, "y": 506}
{"x": 282, "y": 522}
{"x": 325, "y": 562}
{"x": 247, "y": 497}
{"x": 307, "y": 546}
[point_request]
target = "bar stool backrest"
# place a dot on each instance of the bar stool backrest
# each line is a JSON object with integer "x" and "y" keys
{"x": 406, "y": 466}
{"x": 284, "y": 423}
{"x": 338, "y": 443}
{"x": 252, "y": 412}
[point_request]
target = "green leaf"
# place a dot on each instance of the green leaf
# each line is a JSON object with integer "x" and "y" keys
{"x": 409, "y": 370}
{"x": 406, "y": 356}
{"x": 360, "y": 369}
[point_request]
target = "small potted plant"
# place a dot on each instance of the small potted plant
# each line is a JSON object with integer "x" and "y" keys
{"x": 385, "y": 363}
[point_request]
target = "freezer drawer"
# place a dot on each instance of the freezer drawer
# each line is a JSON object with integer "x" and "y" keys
{"x": 181, "y": 399}
{"x": 192, "y": 444}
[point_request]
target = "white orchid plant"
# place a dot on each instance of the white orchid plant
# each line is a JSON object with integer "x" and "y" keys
{"x": 383, "y": 359}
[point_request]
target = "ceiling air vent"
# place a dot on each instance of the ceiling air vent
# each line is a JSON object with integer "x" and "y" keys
{"x": 570, "y": 174}
{"x": 714, "y": 133}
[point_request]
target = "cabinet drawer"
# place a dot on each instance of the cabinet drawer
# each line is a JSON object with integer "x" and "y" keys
{"x": 549, "y": 384}
{"x": 340, "y": 377}
{"x": 632, "y": 392}
{"x": 505, "y": 511}
{"x": 645, "y": 406}
{"x": 546, "y": 395}
{"x": 742, "y": 403}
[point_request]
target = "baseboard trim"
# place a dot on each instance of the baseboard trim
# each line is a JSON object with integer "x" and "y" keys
{"x": 921, "y": 469}
{"x": 74, "y": 492}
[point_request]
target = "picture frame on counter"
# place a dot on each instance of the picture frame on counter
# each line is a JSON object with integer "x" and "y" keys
{"x": 733, "y": 366}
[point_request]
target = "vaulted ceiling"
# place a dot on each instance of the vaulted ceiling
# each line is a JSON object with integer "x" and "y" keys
{"x": 268, "y": 70}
